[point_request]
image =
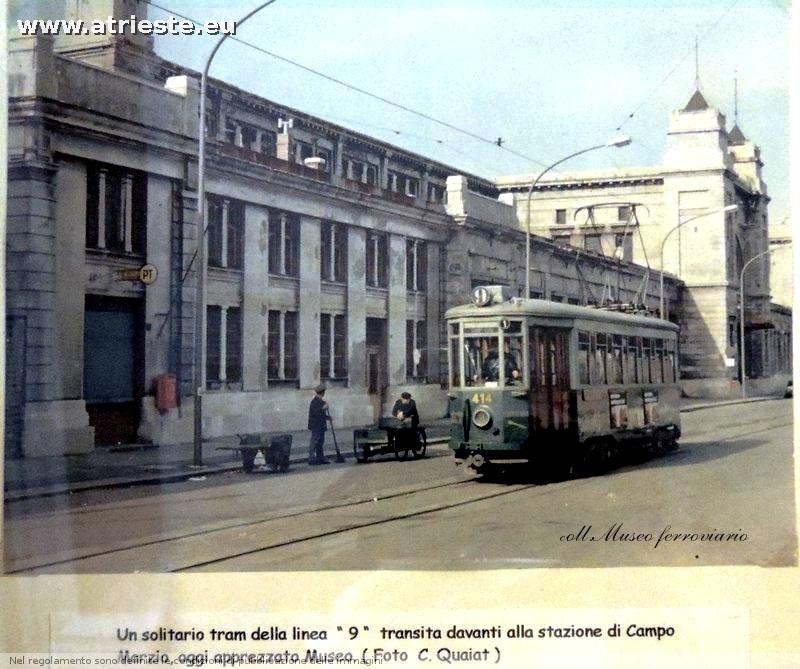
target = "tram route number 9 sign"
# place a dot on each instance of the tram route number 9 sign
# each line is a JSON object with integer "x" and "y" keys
{"x": 145, "y": 274}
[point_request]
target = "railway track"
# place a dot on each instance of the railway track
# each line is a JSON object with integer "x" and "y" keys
{"x": 218, "y": 546}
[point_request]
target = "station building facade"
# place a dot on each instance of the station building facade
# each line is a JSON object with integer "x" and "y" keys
{"x": 706, "y": 168}
{"x": 338, "y": 272}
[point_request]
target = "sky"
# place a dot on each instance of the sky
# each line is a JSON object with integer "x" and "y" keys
{"x": 548, "y": 77}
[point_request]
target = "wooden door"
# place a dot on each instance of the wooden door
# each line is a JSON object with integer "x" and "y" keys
{"x": 549, "y": 379}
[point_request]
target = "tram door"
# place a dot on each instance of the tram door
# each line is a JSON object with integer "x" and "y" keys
{"x": 549, "y": 378}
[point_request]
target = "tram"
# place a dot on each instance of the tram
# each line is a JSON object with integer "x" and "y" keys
{"x": 564, "y": 388}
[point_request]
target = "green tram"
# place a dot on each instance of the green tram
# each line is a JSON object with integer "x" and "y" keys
{"x": 563, "y": 387}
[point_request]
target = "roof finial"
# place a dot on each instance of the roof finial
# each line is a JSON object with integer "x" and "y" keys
{"x": 696, "y": 63}
{"x": 735, "y": 97}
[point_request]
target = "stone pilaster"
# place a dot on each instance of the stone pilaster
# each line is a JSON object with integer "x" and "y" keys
{"x": 310, "y": 300}
{"x": 396, "y": 354}
{"x": 254, "y": 307}
{"x": 157, "y": 294}
{"x": 433, "y": 316}
{"x": 357, "y": 307}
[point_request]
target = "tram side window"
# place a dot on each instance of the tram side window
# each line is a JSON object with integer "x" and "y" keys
{"x": 669, "y": 362}
{"x": 631, "y": 361}
{"x": 615, "y": 359}
{"x": 512, "y": 354}
{"x": 645, "y": 359}
{"x": 455, "y": 364}
{"x": 656, "y": 356}
{"x": 598, "y": 371}
{"x": 584, "y": 357}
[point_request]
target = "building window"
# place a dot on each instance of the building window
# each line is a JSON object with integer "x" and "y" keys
{"x": 416, "y": 265}
{"x": 269, "y": 143}
{"x": 233, "y": 345}
{"x": 593, "y": 243}
{"x": 377, "y": 260}
{"x": 213, "y": 344}
{"x": 249, "y": 137}
{"x": 333, "y": 265}
{"x": 223, "y": 345}
{"x": 416, "y": 351}
{"x": 116, "y": 209}
{"x": 333, "y": 346}
{"x": 402, "y": 183}
{"x": 436, "y": 193}
{"x": 233, "y": 132}
{"x": 302, "y": 150}
{"x": 372, "y": 175}
{"x": 282, "y": 346}
{"x": 225, "y": 232}
{"x": 326, "y": 155}
{"x": 733, "y": 331}
{"x": 623, "y": 246}
{"x": 624, "y": 214}
{"x": 561, "y": 216}
{"x": 284, "y": 243}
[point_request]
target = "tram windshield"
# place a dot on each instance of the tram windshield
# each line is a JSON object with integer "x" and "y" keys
{"x": 487, "y": 360}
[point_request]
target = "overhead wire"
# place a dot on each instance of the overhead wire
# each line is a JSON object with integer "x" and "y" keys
{"x": 362, "y": 91}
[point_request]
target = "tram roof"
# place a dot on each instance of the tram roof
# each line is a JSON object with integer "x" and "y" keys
{"x": 547, "y": 309}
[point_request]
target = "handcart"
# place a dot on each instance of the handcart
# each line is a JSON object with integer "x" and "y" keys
{"x": 391, "y": 435}
{"x": 276, "y": 449}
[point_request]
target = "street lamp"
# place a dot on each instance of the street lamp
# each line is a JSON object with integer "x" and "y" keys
{"x": 621, "y": 140}
{"x": 730, "y": 207}
{"x": 741, "y": 318}
{"x": 200, "y": 254}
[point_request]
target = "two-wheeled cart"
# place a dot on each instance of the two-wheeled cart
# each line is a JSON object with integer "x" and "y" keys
{"x": 390, "y": 436}
{"x": 276, "y": 449}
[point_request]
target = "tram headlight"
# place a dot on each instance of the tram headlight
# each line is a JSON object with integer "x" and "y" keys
{"x": 482, "y": 418}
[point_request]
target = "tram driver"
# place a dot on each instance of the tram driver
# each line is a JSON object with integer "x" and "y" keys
{"x": 491, "y": 367}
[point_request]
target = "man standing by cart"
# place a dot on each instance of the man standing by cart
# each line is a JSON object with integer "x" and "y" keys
{"x": 318, "y": 424}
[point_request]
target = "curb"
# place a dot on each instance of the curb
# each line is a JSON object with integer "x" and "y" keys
{"x": 150, "y": 479}
{"x": 65, "y": 489}
{"x": 726, "y": 403}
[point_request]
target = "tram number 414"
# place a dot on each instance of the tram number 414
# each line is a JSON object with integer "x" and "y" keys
{"x": 482, "y": 398}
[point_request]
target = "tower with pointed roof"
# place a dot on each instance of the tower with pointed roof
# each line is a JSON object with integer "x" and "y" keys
{"x": 705, "y": 169}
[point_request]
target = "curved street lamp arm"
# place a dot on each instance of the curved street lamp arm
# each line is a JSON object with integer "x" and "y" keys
{"x": 556, "y": 164}
{"x": 528, "y": 208}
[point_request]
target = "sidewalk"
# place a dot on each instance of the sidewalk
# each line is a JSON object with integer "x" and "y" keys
{"x": 140, "y": 464}
{"x": 127, "y": 465}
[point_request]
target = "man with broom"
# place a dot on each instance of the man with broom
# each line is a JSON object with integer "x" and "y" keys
{"x": 318, "y": 424}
